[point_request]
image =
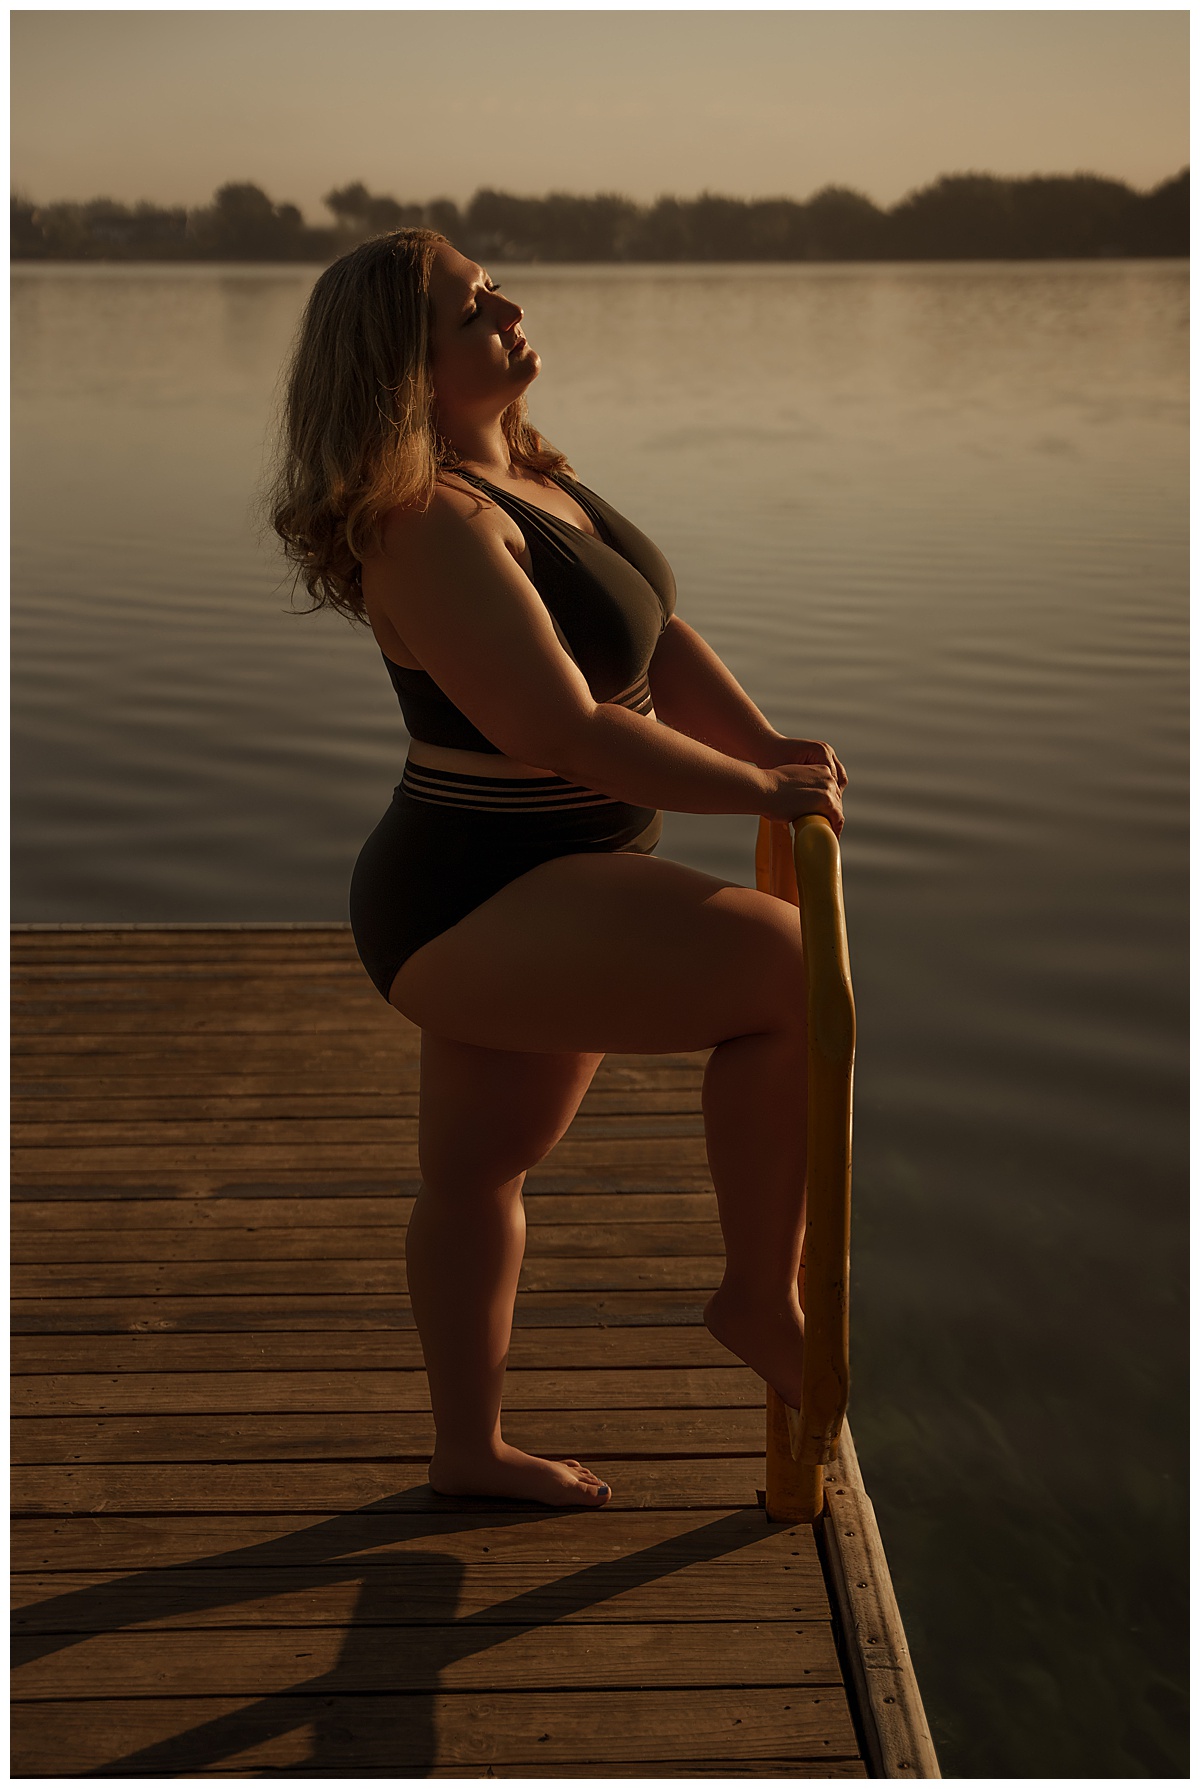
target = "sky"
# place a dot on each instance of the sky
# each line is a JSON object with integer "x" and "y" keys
{"x": 166, "y": 106}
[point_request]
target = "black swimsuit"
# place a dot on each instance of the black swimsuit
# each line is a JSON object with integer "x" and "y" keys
{"x": 449, "y": 840}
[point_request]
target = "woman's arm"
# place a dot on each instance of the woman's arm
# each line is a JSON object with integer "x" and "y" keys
{"x": 696, "y": 693}
{"x": 462, "y": 604}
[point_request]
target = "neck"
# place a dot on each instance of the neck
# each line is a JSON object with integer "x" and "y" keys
{"x": 479, "y": 442}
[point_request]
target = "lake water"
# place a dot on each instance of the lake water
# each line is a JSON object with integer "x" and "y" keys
{"x": 935, "y": 514}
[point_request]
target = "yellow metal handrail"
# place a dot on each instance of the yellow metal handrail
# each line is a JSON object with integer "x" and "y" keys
{"x": 807, "y": 871}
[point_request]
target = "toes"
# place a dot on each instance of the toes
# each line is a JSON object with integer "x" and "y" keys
{"x": 588, "y": 1481}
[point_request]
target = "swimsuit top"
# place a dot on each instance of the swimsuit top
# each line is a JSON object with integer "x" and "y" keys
{"x": 609, "y": 597}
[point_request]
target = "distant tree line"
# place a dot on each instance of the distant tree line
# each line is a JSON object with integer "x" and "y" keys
{"x": 959, "y": 217}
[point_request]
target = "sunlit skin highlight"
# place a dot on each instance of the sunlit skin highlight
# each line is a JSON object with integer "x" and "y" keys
{"x": 479, "y": 354}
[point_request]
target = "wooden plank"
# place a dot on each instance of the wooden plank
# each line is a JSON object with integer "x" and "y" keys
{"x": 670, "y": 1153}
{"x": 424, "y": 1590}
{"x": 158, "y": 1247}
{"x": 648, "y": 1433}
{"x": 431, "y": 1591}
{"x": 144, "y": 937}
{"x": 281, "y": 1038}
{"x": 203, "y": 1073}
{"x": 357, "y": 1734}
{"x": 396, "y": 1048}
{"x": 892, "y": 1717}
{"x": 311, "y": 1133}
{"x": 250, "y": 1393}
{"x": 115, "y": 1102}
{"x": 81, "y": 1006}
{"x": 428, "y": 1592}
{"x": 349, "y": 1311}
{"x": 80, "y": 984}
{"x": 57, "y": 936}
{"x": 386, "y": 1351}
{"x": 53, "y": 1217}
{"x": 83, "y": 968}
{"x": 135, "y": 1189}
{"x": 196, "y": 944}
{"x": 125, "y": 1099}
{"x": 199, "y": 1069}
{"x": 380, "y": 1243}
{"x": 317, "y": 1486}
{"x": 104, "y": 989}
{"x": 378, "y": 1064}
{"x": 374, "y": 1065}
{"x": 405, "y": 1659}
{"x": 105, "y": 984}
{"x": 321, "y": 1013}
{"x": 142, "y": 945}
{"x": 176, "y": 1279}
{"x": 827, "y": 1768}
{"x": 299, "y": 1182}
{"x": 80, "y": 987}
{"x": 656, "y": 1542}
{"x": 41, "y": 955}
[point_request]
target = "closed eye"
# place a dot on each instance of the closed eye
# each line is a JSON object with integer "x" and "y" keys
{"x": 471, "y": 315}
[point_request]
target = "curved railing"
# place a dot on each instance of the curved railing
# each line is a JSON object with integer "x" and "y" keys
{"x": 807, "y": 871}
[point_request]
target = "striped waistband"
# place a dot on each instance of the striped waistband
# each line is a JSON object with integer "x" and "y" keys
{"x": 637, "y": 696}
{"x": 498, "y": 794}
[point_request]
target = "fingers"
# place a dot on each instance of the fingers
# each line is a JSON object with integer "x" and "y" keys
{"x": 835, "y": 765}
{"x": 833, "y": 813}
{"x": 810, "y": 789}
{"x": 831, "y": 804}
{"x": 817, "y": 751}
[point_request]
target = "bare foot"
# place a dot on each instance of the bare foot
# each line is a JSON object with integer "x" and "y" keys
{"x": 770, "y": 1341}
{"x": 507, "y": 1472}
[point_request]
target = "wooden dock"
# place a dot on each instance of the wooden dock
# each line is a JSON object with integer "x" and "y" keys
{"x": 226, "y": 1557}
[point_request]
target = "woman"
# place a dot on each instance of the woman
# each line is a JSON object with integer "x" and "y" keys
{"x": 508, "y": 903}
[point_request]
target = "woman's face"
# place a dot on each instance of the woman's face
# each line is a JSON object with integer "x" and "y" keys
{"x": 480, "y": 358}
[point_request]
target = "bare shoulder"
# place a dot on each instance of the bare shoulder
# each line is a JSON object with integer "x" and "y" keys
{"x": 455, "y": 516}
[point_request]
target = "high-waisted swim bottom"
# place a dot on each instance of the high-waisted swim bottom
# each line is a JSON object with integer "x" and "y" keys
{"x": 449, "y": 841}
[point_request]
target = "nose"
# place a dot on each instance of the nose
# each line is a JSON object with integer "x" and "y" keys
{"x": 515, "y": 313}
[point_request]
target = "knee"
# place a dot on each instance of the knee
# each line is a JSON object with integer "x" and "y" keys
{"x": 475, "y": 1164}
{"x": 455, "y": 1187}
{"x": 774, "y": 965}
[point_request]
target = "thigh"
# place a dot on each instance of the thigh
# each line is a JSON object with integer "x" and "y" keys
{"x": 488, "y": 1115}
{"x": 610, "y": 951}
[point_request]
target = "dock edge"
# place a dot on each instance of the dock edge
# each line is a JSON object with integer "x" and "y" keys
{"x": 875, "y": 1657}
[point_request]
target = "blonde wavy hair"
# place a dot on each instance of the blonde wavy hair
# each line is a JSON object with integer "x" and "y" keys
{"x": 358, "y": 428}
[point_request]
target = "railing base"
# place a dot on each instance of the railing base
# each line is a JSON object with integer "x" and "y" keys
{"x": 795, "y": 1489}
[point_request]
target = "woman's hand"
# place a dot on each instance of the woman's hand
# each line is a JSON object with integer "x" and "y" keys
{"x": 779, "y": 751}
{"x": 796, "y": 789}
